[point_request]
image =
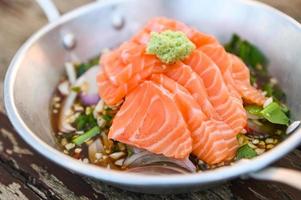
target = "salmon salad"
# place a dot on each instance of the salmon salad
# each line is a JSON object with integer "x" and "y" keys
{"x": 171, "y": 99}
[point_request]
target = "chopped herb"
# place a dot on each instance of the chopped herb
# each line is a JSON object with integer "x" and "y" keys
{"x": 84, "y": 122}
{"x": 86, "y": 136}
{"x": 129, "y": 151}
{"x": 76, "y": 89}
{"x": 107, "y": 117}
{"x": 245, "y": 152}
{"x": 274, "y": 113}
{"x": 83, "y": 67}
{"x": 249, "y": 53}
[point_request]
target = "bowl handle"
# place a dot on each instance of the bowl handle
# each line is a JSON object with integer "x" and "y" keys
{"x": 278, "y": 174}
{"x": 50, "y": 10}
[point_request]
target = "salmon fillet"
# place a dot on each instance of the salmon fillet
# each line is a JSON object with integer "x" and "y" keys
{"x": 229, "y": 109}
{"x": 149, "y": 119}
{"x": 194, "y": 106}
{"x": 241, "y": 76}
{"x": 184, "y": 75}
{"x": 212, "y": 141}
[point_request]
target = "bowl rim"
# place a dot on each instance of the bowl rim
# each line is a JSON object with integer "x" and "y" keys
{"x": 240, "y": 168}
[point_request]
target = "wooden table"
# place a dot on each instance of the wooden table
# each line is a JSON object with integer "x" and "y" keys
{"x": 24, "y": 174}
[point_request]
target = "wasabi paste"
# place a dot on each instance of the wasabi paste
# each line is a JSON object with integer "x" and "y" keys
{"x": 169, "y": 46}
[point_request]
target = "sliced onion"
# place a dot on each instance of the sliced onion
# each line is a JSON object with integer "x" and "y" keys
{"x": 70, "y": 71}
{"x": 64, "y": 126}
{"x": 250, "y": 116}
{"x": 95, "y": 147}
{"x": 90, "y": 96}
{"x": 260, "y": 129}
{"x": 64, "y": 88}
{"x": 147, "y": 158}
{"x": 157, "y": 170}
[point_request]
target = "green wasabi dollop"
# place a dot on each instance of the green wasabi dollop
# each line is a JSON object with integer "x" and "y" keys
{"x": 169, "y": 46}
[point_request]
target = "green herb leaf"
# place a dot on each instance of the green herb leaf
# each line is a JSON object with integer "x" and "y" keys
{"x": 249, "y": 53}
{"x": 274, "y": 113}
{"x": 85, "y": 122}
{"x": 86, "y": 136}
{"x": 245, "y": 152}
{"x": 107, "y": 117}
{"x": 76, "y": 89}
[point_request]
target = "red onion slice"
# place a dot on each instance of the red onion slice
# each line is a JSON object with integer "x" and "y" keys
{"x": 157, "y": 170}
{"x": 144, "y": 158}
{"x": 89, "y": 99}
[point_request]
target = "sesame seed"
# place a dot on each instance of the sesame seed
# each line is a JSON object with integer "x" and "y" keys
{"x": 88, "y": 111}
{"x": 78, "y": 150}
{"x": 117, "y": 155}
{"x": 270, "y": 146}
{"x": 85, "y": 160}
{"x": 69, "y": 146}
{"x": 55, "y": 111}
{"x": 255, "y": 141}
{"x": 57, "y": 105}
{"x": 66, "y": 152}
{"x": 56, "y": 99}
{"x": 101, "y": 122}
{"x": 64, "y": 141}
{"x": 243, "y": 131}
{"x": 261, "y": 144}
{"x": 259, "y": 151}
{"x": 78, "y": 108}
{"x": 269, "y": 141}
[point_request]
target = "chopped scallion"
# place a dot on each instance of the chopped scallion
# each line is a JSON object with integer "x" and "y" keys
{"x": 245, "y": 152}
{"x": 86, "y": 136}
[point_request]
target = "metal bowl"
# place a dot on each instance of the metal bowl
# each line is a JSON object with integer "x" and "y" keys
{"x": 38, "y": 65}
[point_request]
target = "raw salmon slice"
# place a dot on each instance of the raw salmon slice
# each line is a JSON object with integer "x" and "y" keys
{"x": 241, "y": 77}
{"x": 124, "y": 69}
{"x": 229, "y": 109}
{"x": 149, "y": 119}
{"x": 212, "y": 141}
{"x": 123, "y": 63}
{"x": 184, "y": 75}
{"x": 114, "y": 94}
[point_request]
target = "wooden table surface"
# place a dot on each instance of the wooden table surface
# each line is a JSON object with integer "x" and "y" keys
{"x": 24, "y": 174}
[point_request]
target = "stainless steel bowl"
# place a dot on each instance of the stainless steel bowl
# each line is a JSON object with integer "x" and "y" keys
{"x": 38, "y": 65}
